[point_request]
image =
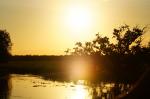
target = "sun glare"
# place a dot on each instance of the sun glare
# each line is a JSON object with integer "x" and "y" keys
{"x": 80, "y": 93}
{"x": 78, "y": 21}
{"x": 80, "y": 69}
{"x": 78, "y": 18}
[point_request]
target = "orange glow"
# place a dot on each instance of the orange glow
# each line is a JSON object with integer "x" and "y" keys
{"x": 80, "y": 69}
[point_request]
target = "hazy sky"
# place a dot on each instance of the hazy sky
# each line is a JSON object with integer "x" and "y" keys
{"x": 50, "y": 26}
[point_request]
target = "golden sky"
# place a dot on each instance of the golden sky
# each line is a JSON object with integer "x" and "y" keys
{"x": 50, "y": 26}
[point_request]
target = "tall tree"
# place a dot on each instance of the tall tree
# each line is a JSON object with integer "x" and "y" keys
{"x": 5, "y": 45}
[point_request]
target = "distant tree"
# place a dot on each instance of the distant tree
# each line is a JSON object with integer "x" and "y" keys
{"x": 67, "y": 51}
{"x": 5, "y": 45}
{"x": 83, "y": 49}
{"x": 78, "y": 49}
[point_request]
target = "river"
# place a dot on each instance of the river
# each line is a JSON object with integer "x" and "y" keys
{"x": 18, "y": 86}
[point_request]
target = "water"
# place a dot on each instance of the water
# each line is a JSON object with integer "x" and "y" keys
{"x": 17, "y": 86}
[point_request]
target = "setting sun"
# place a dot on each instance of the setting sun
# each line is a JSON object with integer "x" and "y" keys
{"x": 78, "y": 18}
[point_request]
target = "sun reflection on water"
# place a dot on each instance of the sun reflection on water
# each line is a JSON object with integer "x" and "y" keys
{"x": 37, "y": 88}
{"x": 80, "y": 92}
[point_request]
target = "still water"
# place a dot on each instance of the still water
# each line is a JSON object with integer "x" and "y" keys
{"x": 17, "y": 86}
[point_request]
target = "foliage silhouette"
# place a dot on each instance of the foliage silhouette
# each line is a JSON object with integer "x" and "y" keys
{"x": 5, "y": 45}
{"x": 127, "y": 42}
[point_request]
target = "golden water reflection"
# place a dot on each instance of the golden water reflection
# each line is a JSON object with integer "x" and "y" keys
{"x": 33, "y": 87}
{"x": 80, "y": 93}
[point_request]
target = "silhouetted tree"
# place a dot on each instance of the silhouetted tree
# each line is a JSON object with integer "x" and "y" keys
{"x": 5, "y": 45}
{"x": 67, "y": 51}
{"x": 83, "y": 49}
{"x": 128, "y": 41}
{"x": 78, "y": 49}
{"x": 88, "y": 48}
{"x": 102, "y": 45}
{"x": 126, "y": 37}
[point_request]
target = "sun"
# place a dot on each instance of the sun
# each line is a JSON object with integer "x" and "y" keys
{"x": 78, "y": 20}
